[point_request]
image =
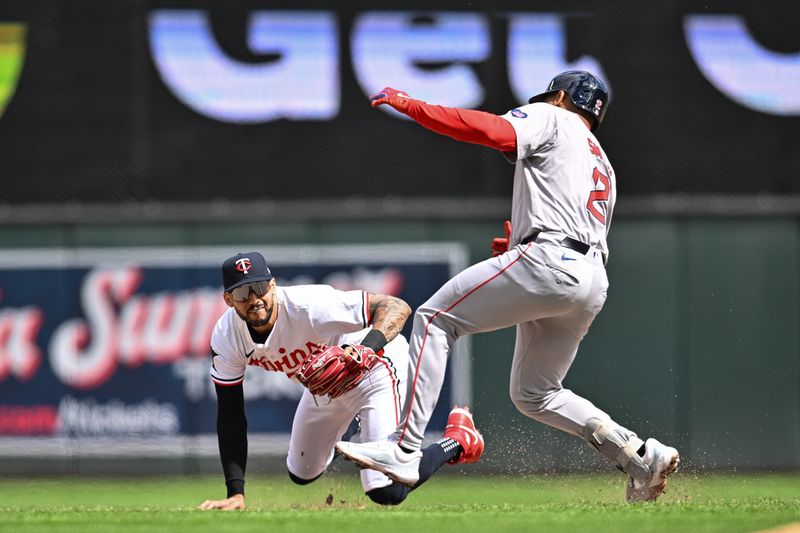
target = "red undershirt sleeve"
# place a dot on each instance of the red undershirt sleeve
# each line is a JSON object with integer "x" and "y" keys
{"x": 467, "y": 125}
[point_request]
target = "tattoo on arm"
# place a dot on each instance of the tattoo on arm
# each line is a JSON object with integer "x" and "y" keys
{"x": 388, "y": 314}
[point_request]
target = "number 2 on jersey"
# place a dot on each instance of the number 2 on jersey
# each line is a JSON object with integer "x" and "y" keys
{"x": 597, "y": 196}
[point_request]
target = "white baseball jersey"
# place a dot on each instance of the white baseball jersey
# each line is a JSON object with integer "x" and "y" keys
{"x": 562, "y": 180}
{"x": 309, "y": 316}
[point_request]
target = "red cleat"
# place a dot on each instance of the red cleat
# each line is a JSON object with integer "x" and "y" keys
{"x": 461, "y": 428}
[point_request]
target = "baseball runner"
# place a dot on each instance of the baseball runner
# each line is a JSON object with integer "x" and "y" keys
{"x": 547, "y": 276}
{"x": 346, "y": 349}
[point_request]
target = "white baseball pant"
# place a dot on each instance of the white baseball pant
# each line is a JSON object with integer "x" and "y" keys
{"x": 319, "y": 423}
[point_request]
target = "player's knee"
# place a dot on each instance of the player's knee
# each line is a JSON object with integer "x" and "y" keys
{"x": 302, "y": 481}
{"x": 531, "y": 404}
{"x": 422, "y": 316}
{"x": 393, "y": 494}
{"x": 444, "y": 327}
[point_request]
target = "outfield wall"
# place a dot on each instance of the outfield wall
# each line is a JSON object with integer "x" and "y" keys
{"x": 698, "y": 343}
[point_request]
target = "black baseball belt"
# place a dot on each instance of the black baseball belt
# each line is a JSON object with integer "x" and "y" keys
{"x": 567, "y": 242}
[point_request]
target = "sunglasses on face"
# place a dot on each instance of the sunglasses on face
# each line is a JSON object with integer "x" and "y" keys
{"x": 242, "y": 292}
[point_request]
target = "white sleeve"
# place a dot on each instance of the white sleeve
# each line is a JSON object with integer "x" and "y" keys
{"x": 535, "y": 125}
{"x": 228, "y": 363}
{"x": 338, "y": 312}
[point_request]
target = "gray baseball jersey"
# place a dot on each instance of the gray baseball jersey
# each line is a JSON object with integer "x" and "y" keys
{"x": 564, "y": 186}
{"x": 562, "y": 178}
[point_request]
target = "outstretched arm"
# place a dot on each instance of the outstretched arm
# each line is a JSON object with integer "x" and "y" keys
{"x": 232, "y": 438}
{"x": 467, "y": 125}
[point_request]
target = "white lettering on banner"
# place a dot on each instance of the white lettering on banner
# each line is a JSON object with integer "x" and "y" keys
{"x": 88, "y": 418}
{"x": 257, "y": 385}
{"x": 302, "y": 84}
{"x": 537, "y": 49}
{"x": 387, "y": 47}
{"x": 451, "y": 38}
{"x": 741, "y": 68}
{"x": 19, "y": 354}
{"x": 196, "y": 382}
{"x": 89, "y": 367}
{"x": 128, "y": 329}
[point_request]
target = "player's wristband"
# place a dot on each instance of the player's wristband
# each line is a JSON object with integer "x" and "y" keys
{"x": 375, "y": 339}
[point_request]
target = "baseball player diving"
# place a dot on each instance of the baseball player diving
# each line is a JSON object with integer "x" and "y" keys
{"x": 345, "y": 347}
{"x": 547, "y": 277}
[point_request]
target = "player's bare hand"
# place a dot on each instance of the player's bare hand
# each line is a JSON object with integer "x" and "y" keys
{"x": 397, "y": 99}
{"x": 234, "y": 503}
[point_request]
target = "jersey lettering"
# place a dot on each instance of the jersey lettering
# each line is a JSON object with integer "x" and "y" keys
{"x": 289, "y": 362}
{"x": 314, "y": 348}
{"x": 598, "y": 198}
{"x": 594, "y": 149}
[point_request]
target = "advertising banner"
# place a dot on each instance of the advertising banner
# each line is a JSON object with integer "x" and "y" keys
{"x": 108, "y": 345}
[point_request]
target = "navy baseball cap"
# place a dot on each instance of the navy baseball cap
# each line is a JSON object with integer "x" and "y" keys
{"x": 244, "y": 268}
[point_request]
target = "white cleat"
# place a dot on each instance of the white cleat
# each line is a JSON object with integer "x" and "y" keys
{"x": 385, "y": 457}
{"x": 662, "y": 461}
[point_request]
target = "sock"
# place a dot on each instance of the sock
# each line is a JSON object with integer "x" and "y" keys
{"x": 451, "y": 447}
{"x": 435, "y": 456}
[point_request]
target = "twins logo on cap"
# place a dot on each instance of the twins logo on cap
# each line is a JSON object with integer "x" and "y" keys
{"x": 243, "y": 265}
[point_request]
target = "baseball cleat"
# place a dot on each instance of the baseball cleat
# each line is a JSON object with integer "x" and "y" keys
{"x": 385, "y": 457}
{"x": 461, "y": 428}
{"x": 662, "y": 461}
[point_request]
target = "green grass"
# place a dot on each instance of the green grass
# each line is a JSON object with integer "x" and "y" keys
{"x": 548, "y": 503}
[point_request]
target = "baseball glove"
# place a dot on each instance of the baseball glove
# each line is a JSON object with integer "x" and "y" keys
{"x": 336, "y": 369}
